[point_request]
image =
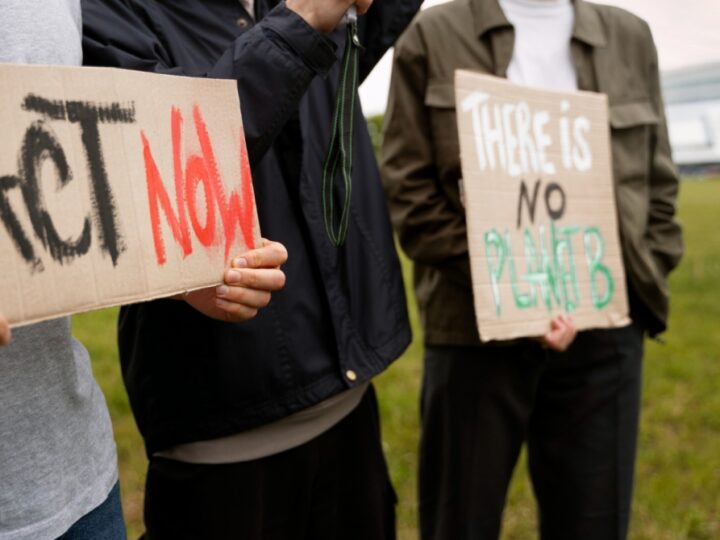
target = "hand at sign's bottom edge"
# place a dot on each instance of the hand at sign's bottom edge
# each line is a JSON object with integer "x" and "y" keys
{"x": 4, "y": 331}
{"x": 561, "y": 335}
{"x": 248, "y": 285}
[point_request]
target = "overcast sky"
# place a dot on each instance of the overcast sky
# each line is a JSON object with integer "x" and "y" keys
{"x": 686, "y": 32}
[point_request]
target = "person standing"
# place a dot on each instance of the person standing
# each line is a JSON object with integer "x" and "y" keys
{"x": 577, "y": 410}
{"x": 58, "y": 464}
{"x": 269, "y": 428}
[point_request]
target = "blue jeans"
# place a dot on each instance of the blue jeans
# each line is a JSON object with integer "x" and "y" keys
{"x": 103, "y": 523}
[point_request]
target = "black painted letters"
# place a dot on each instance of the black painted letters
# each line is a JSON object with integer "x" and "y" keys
{"x": 40, "y": 144}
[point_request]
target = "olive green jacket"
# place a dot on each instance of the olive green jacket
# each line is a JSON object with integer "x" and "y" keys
{"x": 614, "y": 54}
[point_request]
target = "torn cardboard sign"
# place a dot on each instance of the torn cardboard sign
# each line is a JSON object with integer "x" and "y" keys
{"x": 117, "y": 187}
{"x": 540, "y": 206}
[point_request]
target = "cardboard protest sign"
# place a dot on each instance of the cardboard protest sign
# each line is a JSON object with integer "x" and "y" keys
{"x": 117, "y": 187}
{"x": 540, "y": 206}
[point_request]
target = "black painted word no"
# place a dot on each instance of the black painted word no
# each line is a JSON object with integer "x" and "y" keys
{"x": 555, "y": 209}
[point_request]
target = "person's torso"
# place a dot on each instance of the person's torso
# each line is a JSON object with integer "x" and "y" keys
{"x": 341, "y": 317}
{"x": 611, "y": 52}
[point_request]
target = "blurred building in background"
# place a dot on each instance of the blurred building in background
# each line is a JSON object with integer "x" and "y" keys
{"x": 692, "y": 103}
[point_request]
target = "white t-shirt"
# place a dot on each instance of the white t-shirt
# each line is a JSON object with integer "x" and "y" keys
{"x": 543, "y": 30}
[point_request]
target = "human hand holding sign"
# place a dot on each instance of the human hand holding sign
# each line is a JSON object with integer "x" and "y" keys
{"x": 247, "y": 286}
{"x": 325, "y": 15}
{"x": 561, "y": 335}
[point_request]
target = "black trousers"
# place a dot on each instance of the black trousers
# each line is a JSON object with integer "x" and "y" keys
{"x": 578, "y": 413}
{"x": 335, "y": 487}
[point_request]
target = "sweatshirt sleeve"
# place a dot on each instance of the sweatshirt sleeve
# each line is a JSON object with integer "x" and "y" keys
{"x": 273, "y": 63}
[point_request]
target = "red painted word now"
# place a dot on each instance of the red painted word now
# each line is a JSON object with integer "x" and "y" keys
{"x": 236, "y": 211}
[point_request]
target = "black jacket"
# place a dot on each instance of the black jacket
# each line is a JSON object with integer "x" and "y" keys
{"x": 342, "y": 311}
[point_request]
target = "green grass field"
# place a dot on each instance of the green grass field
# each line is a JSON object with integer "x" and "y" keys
{"x": 678, "y": 474}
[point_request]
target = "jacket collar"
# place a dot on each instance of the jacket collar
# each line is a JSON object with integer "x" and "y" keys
{"x": 488, "y": 16}
{"x": 588, "y": 27}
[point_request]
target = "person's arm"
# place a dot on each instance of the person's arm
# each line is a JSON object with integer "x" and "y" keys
{"x": 430, "y": 228}
{"x": 663, "y": 234}
{"x": 283, "y": 52}
{"x": 380, "y": 28}
{"x": 273, "y": 63}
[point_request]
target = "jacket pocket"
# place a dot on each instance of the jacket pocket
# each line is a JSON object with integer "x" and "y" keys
{"x": 440, "y": 94}
{"x": 632, "y": 125}
{"x": 440, "y": 104}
